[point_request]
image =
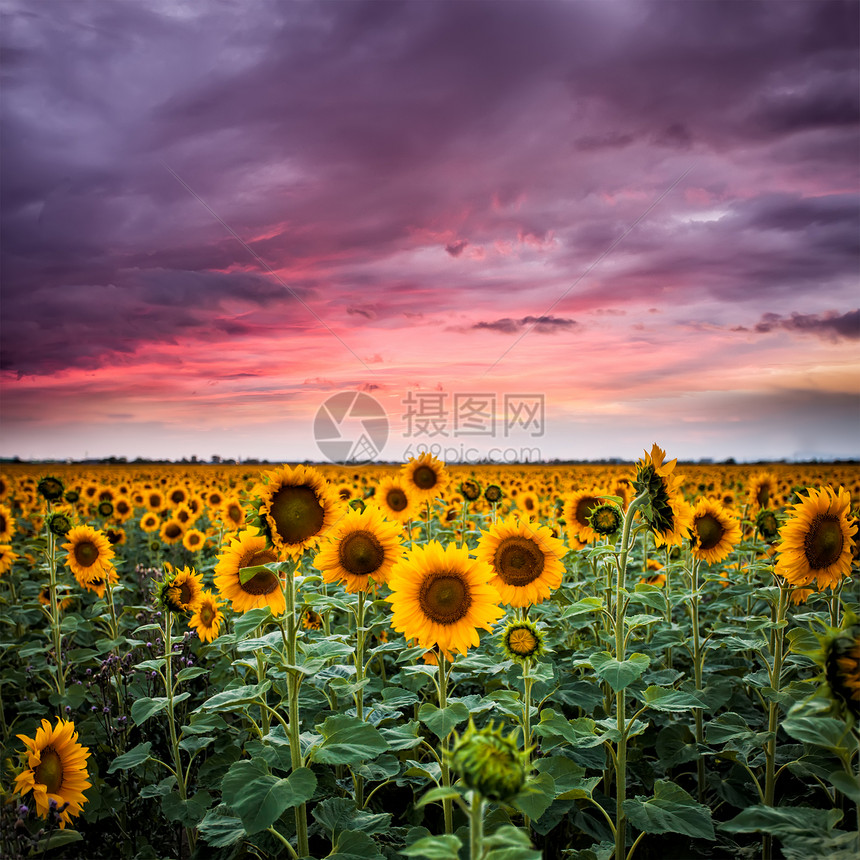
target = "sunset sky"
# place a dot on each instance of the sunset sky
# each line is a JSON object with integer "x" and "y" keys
{"x": 216, "y": 215}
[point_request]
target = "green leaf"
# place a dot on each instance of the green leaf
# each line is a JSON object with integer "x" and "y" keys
{"x": 510, "y": 843}
{"x": 143, "y": 709}
{"x": 442, "y": 721}
{"x": 784, "y": 821}
{"x": 649, "y": 595}
{"x": 132, "y": 758}
{"x": 434, "y": 848}
{"x": 403, "y": 737}
{"x": 847, "y": 783}
{"x": 671, "y": 810}
{"x": 822, "y": 731}
{"x": 569, "y": 777}
{"x": 258, "y": 797}
{"x": 195, "y": 743}
{"x": 339, "y": 813}
{"x": 220, "y": 829}
{"x": 554, "y": 728}
{"x": 190, "y": 672}
{"x": 536, "y": 796}
{"x": 246, "y": 574}
{"x": 348, "y": 740}
{"x": 437, "y": 795}
{"x": 238, "y": 697}
{"x": 187, "y": 812}
{"x": 355, "y": 845}
{"x": 251, "y": 620}
{"x": 57, "y": 839}
{"x": 619, "y": 673}
{"x": 667, "y": 699}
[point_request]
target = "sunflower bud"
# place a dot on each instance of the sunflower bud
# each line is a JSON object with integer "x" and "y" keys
{"x": 105, "y": 509}
{"x": 521, "y": 641}
{"x": 51, "y": 489}
{"x": 767, "y": 526}
{"x": 842, "y": 668}
{"x": 58, "y": 524}
{"x": 72, "y": 496}
{"x": 605, "y": 519}
{"x": 489, "y": 763}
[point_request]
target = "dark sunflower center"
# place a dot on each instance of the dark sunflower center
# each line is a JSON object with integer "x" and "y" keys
{"x": 360, "y": 553}
{"x": 235, "y": 513}
{"x": 177, "y": 496}
{"x": 823, "y": 542}
{"x": 207, "y": 616}
{"x": 584, "y": 507}
{"x": 763, "y": 495}
{"x": 2, "y": 523}
{"x": 173, "y": 531}
{"x": 425, "y": 477}
{"x": 518, "y": 561}
{"x": 155, "y": 501}
{"x": 396, "y": 500}
{"x": 214, "y": 500}
{"x": 709, "y": 530}
{"x": 192, "y": 538}
{"x": 186, "y": 592}
{"x": 86, "y": 554}
{"x": 444, "y": 598}
{"x": 297, "y": 513}
{"x": 50, "y": 771}
{"x": 529, "y": 503}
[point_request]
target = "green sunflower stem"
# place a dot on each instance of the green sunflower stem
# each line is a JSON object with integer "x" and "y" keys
{"x": 698, "y": 661}
{"x": 359, "y": 677}
{"x": 447, "y": 803}
{"x": 261, "y": 676}
{"x": 773, "y": 712}
{"x": 294, "y": 682}
{"x": 476, "y": 827}
{"x": 51, "y": 555}
{"x": 620, "y": 700}
{"x": 462, "y": 541}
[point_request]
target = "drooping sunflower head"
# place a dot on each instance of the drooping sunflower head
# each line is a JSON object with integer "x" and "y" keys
{"x": 525, "y": 559}
{"x": 489, "y": 762}
{"x": 440, "y": 596}
{"x": 89, "y": 552}
{"x": 763, "y": 491}
{"x": 425, "y": 476}
{"x": 605, "y": 519}
{"x": 816, "y": 543}
{"x": 248, "y": 550}
{"x": 207, "y": 617}
{"x": 395, "y": 500}
{"x": 50, "y": 488}
{"x": 55, "y": 770}
{"x": 58, "y": 523}
{"x": 470, "y": 489}
{"x": 362, "y": 546}
{"x": 181, "y": 590}
{"x": 767, "y": 525}
{"x": 294, "y": 509}
{"x": 657, "y": 480}
{"x": 522, "y": 640}
{"x": 714, "y": 532}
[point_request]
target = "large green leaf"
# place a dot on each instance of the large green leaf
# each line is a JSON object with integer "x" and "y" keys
{"x": 536, "y": 796}
{"x": 670, "y": 810}
{"x": 434, "y": 848}
{"x": 355, "y": 845}
{"x": 510, "y": 843}
{"x": 145, "y": 708}
{"x": 822, "y": 731}
{"x": 619, "y": 673}
{"x": 250, "y": 620}
{"x": 442, "y": 721}
{"x": 667, "y": 699}
{"x": 132, "y": 758}
{"x": 221, "y": 829}
{"x": 554, "y": 728}
{"x": 339, "y": 813}
{"x": 238, "y": 697}
{"x": 348, "y": 740}
{"x": 570, "y": 780}
{"x": 784, "y": 821}
{"x": 258, "y": 797}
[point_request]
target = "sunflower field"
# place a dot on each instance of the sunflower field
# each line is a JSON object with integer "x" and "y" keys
{"x": 430, "y": 661}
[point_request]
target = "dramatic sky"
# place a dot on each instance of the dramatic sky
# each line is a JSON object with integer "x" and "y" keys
{"x": 215, "y": 215}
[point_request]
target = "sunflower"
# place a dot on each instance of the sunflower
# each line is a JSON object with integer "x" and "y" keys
{"x": 154, "y": 500}
{"x": 248, "y": 549}
{"x": 89, "y": 552}
{"x": 177, "y": 496}
{"x": 207, "y": 618}
{"x": 171, "y": 532}
{"x": 116, "y": 535}
{"x": 656, "y": 579}
{"x": 440, "y": 596}
{"x": 150, "y": 522}
{"x": 311, "y": 620}
{"x": 815, "y": 544}
{"x": 425, "y": 476}
{"x": 295, "y": 508}
{"x": 182, "y": 589}
{"x": 576, "y": 512}
{"x": 62, "y": 602}
{"x": 529, "y": 504}
{"x": 762, "y": 491}
{"x": 98, "y": 583}
{"x": 56, "y": 770}
{"x": 193, "y": 540}
{"x": 123, "y": 509}
{"x": 678, "y": 526}
{"x": 522, "y": 640}
{"x": 7, "y": 524}
{"x": 714, "y": 533}
{"x": 525, "y": 559}
{"x": 232, "y": 513}
{"x": 363, "y": 545}
{"x": 7, "y": 558}
{"x": 395, "y": 500}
